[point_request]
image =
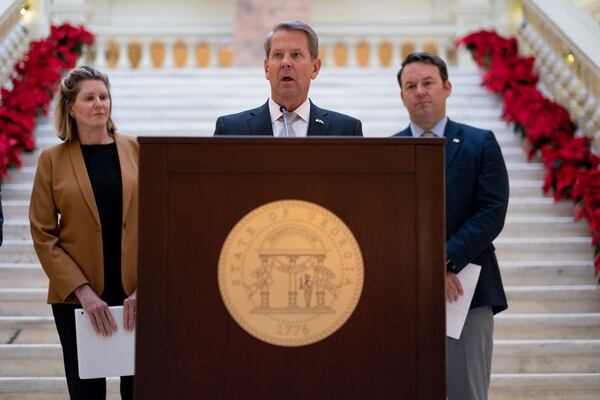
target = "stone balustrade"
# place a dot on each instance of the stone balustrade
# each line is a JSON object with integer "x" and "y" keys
{"x": 13, "y": 39}
{"x": 385, "y": 45}
{"x": 213, "y": 46}
{"x": 565, "y": 43}
{"x": 166, "y": 47}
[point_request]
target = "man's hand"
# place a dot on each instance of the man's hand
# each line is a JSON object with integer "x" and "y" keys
{"x": 97, "y": 310}
{"x": 454, "y": 288}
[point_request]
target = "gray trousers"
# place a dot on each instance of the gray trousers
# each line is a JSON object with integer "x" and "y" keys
{"x": 469, "y": 359}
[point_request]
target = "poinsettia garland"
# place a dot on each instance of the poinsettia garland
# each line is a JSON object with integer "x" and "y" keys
{"x": 571, "y": 167}
{"x": 34, "y": 82}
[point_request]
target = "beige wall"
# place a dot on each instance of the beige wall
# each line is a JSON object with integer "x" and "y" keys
{"x": 382, "y": 11}
{"x": 174, "y": 12}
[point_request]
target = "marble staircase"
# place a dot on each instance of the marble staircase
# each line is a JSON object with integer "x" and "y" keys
{"x": 547, "y": 344}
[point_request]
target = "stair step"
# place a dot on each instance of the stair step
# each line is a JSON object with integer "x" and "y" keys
{"x": 544, "y": 226}
{"x": 526, "y": 188}
{"x": 553, "y": 298}
{"x": 21, "y": 175}
{"x": 45, "y": 388}
{"x": 28, "y": 330}
{"x": 516, "y": 154}
{"x": 510, "y": 356}
{"x": 24, "y": 301}
{"x": 555, "y": 386}
{"x": 16, "y": 191}
{"x": 544, "y": 249}
{"x": 21, "y": 275}
{"x": 550, "y": 298}
{"x": 546, "y": 356}
{"x": 18, "y": 251}
{"x": 511, "y": 325}
{"x": 15, "y": 208}
{"x": 524, "y": 170}
{"x": 16, "y": 228}
{"x": 31, "y": 360}
{"x": 29, "y": 159}
{"x": 547, "y": 273}
{"x": 539, "y": 205}
{"x": 503, "y": 387}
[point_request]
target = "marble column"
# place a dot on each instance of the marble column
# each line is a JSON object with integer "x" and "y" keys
{"x": 471, "y": 15}
{"x": 36, "y": 20}
{"x": 254, "y": 19}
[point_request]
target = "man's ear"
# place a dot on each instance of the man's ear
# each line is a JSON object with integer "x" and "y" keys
{"x": 266, "y": 67}
{"x": 448, "y": 88}
{"x": 316, "y": 67}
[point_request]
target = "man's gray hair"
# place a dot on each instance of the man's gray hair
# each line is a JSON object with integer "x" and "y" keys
{"x": 311, "y": 36}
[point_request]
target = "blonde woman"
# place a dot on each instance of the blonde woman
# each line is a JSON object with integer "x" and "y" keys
{"x": 84, "y": 220}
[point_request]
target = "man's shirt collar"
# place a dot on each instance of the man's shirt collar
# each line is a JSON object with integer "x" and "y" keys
{"x": 303, "y": 111}
{"x": 438, "y": 128}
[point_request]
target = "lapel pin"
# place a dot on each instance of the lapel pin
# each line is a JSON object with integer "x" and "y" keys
{"x": 320, "y": 121}
{"x": 456, "y": 140}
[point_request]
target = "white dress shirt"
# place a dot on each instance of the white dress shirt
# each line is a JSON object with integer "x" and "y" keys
{"x": 299, "y": 125}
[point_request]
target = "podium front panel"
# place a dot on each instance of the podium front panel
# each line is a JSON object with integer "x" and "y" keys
{"x": 390, "y": 194}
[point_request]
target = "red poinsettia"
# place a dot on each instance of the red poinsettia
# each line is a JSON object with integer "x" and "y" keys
{"x": 510, "y": 73}
{"x": 488, "y": 45}
{"x": 34, "y": 82}
{"x": 542, "y": 120}
{"x": 572, "y": 170}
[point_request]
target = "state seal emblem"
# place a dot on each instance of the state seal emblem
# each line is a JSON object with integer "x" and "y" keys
{"x": 290, "y": 273}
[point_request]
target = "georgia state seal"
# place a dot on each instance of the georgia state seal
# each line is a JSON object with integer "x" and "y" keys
{"x": 290, "y": 273}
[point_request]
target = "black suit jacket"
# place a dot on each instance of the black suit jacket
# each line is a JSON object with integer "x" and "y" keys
{"x": 476, "y": 203}
{"x": 258, "y": 122}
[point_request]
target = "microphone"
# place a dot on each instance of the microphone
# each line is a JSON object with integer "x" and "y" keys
{"x": 285, "y": 120}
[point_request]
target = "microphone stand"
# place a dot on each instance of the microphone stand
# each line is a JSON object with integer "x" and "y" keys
{"x": 285, "y": 120}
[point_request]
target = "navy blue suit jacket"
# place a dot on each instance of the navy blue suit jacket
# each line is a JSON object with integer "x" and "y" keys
{"x": 476, "y": 202}
{"x": 258, "y": 122}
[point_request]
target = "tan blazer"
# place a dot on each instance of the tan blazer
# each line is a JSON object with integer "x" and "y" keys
{"x": 65, "y": 224}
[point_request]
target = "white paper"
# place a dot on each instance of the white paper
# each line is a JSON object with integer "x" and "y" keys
{"x": 103, "y": 356}
{"x": 456, "y": 312}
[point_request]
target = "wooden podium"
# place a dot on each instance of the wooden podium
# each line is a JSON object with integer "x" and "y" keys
{"x": 389, "y": 192}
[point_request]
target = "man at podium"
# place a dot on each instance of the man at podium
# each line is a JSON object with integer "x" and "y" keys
{"x": 476, "y": 203}
{"x": 291, "y": 63}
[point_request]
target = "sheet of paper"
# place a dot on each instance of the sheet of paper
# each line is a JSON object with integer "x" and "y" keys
{"x": 456, "y": 312}
{"x": 100, "y": 356}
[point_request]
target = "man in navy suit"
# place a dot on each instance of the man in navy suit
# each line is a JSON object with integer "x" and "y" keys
{"x": 291, "y": 63}
{"x": 476, "y": 202}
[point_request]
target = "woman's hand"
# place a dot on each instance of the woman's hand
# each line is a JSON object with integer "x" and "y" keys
{"x": 97, "y": 310}
{"x": 129, "y": 308}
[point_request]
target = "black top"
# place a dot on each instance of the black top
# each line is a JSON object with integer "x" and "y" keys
{"x": 104, "y": 171}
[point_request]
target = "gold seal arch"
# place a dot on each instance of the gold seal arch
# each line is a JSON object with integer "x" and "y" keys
{"x": 290, "y": 273}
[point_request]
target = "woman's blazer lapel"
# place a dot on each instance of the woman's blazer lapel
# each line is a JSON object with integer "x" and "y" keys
{"x": 129, "y": 171}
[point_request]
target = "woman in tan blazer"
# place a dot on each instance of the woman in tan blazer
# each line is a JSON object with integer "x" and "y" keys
{"x": 84, "y": 220}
